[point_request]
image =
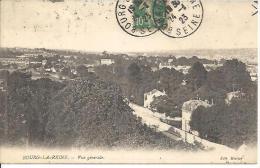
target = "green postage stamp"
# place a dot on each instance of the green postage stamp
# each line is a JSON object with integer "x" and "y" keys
{"x": 149, "y": 14}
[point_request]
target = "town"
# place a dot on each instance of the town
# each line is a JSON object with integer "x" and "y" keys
{"x": 171, "y": 94}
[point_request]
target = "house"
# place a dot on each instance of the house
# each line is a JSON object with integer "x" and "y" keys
{"x": 2, "y": 85}
{"x": 20, "y": 62}
{"x": 166, "y": 65}
{"x": 74, "y": 71}
{"x": 170, "y": 60}
{"x": 231, "y": 95}
{"x": 181, "y": 68}
{"x": 91, "y": 69}
{"x": 48, "y": 69}
{"x": 149, "y": 97}
{"x": 188, "y": 108}
{"x": 106, "y": 61}
{"x": 184, "y": 82}
{"x": 53, "y": 70}
{"x": 154, "y": 68}
{"x": 252, "y": 69}
{"x": 3, "y": 80}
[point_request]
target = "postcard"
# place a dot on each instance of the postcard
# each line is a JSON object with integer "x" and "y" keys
{"x": 128, "y": 81}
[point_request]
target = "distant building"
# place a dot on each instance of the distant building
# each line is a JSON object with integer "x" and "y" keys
{"x": 27, "y": 56}
{"x": 20, "y": 62}
{"x": 48, "y": 69}
{"x": 74, "y": 71}
{"x": 154, "y": 68}
{"x": 67, "y": 56}
{"x": 106, "y": 61}
{"x": 210, "y": 67}
{"x": 36, "y": 62}
{"x": 170, "y": 60}
{"x": 149, "y": 97}
{"x": 2, "y": 85}
{"x": 184, "y": 69}
{"x": 166, "y": 65}
{"x": 91, "y": 69}
{"x": 188, "y": 108}
{"x": 231, "y": 95}
{"x": 184, "y": 82}
{"x": 3, "y": 81}
{"x": 252, "y": 69}
{"x": 53, "y": 70}
{"x": 253, "y": 76}
{"x": 141, "y": 57}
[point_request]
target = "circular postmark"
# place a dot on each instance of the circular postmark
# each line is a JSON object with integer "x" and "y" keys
{"x": 135, "y": 17}
{"x": 183, "y": 17}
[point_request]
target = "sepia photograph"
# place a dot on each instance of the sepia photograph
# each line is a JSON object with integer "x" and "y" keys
{"x": 128, "y": 81}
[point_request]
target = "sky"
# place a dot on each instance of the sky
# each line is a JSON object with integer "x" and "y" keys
{"x": 91, "y": 25}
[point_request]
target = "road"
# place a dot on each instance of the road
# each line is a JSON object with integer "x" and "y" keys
{"x": 153, "y": 121}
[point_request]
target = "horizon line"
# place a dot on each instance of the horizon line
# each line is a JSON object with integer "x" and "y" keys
{"x": 96, "y": 51}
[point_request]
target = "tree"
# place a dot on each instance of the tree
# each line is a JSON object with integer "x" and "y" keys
{"x": 198, "y": 122}
{"x": 215, "y": 79}
{"x": 231, "y": 125}
{"x": 66, "y": 71}
{"x": 197, "y": 75}
{"x": 27, "y": 105}
{"x": 170, "y": 80}
{"x": 163, "y": 104}
{"x": 39, "y": 58}
{"x": 214, "y": 96}
{"x": 134, "y": 73}
{"x": 48, "y": 64}
{"x": 235, "y": 75}
{"x": 82, "y": 70}
{"x": 3, "y": 117}
{"x": 42, "y": 92}
{"x": 92, "y": 113}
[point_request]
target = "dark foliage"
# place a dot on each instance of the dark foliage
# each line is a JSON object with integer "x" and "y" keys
{"x": 197, "y": 75}
{"x": 93, "y": 113}
{"x": 230, "y": 125}
{"x": 26, "y": 107}
{"x": 86, "y": 112}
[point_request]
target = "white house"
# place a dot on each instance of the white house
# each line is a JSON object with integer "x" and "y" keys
{"x": 154, "y": 68}
{"x": 166, "y": 65}
{"x": 170, "y": 60}
{"x": 106, "y": 61}
{"x": 188, "y": 108}
{"x": 149, "y": 97}
{"x": 53, "y": 70}
{"x": 181, "y": 68}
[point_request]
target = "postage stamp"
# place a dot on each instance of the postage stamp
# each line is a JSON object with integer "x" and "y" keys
{"x": 159, "y": 13}
{"x": 143, "y": 14}
{"x": 135, "y": 17}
